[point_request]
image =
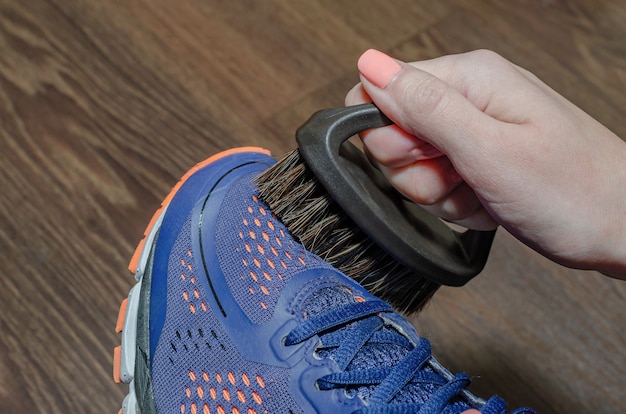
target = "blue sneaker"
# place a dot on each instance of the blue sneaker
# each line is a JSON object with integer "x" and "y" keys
{"x": 231, "y": 315}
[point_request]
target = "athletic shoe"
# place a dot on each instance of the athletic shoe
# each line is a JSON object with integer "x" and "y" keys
{"x": 231, "y": 315}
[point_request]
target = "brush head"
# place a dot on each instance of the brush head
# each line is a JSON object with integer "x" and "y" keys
{"x": 343, "y": 209}
{"x": 296, "y": 197}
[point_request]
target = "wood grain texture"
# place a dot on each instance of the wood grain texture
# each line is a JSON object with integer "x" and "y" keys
{"x": 103, "y": 105}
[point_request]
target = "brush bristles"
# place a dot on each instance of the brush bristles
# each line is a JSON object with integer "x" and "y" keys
{"x": 296, "y": 197}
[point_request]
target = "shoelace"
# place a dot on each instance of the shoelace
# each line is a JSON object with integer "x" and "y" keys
{"x": 388, "y": 381}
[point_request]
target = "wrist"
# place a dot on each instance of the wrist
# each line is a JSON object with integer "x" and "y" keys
{"x": 612, "y": 259}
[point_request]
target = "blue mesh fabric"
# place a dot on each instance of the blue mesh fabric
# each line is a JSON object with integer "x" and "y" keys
{"x": 372, "y": 355}
{"x": 253, "y": 244}
{"x": 195, "y": 369}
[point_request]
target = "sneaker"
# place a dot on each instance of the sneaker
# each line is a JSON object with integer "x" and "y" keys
{"x": 231, "y": 315}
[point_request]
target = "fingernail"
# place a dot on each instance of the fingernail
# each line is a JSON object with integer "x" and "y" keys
{"x": 377, "y": 67}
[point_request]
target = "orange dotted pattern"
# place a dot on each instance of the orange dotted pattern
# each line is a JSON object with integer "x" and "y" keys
{"x": 228, "y": 393}
{"x": 257, "y": 247}
{"x": 266, "y": 260}
{"x": 191, "y": 293}
{"x": 195, "y": 361}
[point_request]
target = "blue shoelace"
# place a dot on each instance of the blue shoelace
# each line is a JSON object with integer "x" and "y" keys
{"x": 366, "y": 327}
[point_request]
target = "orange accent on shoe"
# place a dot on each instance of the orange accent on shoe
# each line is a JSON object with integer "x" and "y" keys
{"x": 260, "y": 381}
{"x": 134, "y": 261}
{"x": 256, "y": 397}
{"x": 241, "y": 396}
{"x": 121, "y": 315}
{"x": 117, "y": 364}
{"x": 245, "y": 379}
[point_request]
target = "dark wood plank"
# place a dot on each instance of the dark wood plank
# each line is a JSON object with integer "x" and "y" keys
{"x": 103, "y": 105}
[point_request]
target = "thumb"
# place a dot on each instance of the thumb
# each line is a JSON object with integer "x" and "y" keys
{"x": 427, "y": 107}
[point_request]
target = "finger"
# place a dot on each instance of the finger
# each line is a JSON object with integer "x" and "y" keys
{"x": 493, "y": 84}
{"x": 479, "y": 220}
{"x": 393, "y": 147}
{"x": 425, "y": 106}
{"x": 425, "y": 182}
{"x": 458, "y": 204}
{"x": 357, "y": 96}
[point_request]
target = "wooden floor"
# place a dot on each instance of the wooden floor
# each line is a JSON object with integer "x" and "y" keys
{"x": 103, "y": 105}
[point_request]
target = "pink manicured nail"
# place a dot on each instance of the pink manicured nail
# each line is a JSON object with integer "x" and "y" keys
{"x": 377, "y": 67}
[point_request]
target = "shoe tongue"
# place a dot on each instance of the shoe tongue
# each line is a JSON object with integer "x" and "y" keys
{"x": 373, "y": 354}
{"x": 328, "y": 298}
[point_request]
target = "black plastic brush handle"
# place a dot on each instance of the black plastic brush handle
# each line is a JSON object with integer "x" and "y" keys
{"x": 409, "y": 234}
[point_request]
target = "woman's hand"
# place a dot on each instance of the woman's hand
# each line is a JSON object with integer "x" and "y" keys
{"x": 480, "y": 141}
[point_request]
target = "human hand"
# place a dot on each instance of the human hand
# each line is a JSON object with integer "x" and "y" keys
{"x": 480, "y": 141}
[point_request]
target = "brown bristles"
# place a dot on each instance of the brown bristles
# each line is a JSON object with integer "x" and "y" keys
{"x": 295, "y": 196}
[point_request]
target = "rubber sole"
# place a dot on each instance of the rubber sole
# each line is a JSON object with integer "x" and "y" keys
{"x": 130, "y": 358}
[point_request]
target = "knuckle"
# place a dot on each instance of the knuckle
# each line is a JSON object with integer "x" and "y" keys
{"x": 485, "y": 56}
{"x": 424, "y": 97}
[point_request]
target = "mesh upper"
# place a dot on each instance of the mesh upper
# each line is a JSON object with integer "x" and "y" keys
{"x": 195, "y": 368}
{"x": 258, "y": 251}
